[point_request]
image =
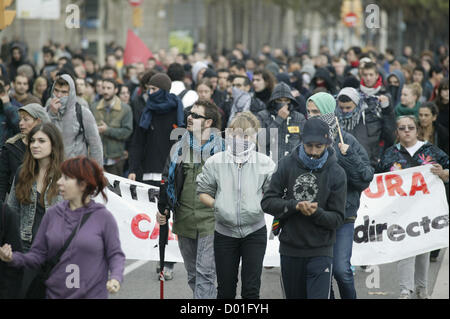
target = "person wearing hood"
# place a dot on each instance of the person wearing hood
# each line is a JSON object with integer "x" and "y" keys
{"x": 281, "y": 116}
{"x": 80, "y": 133}
{"x": 93, "y": 263}
{"x": 233, "y": 183}
{"x": 307, "y": 196}
{"x": 18, "y": 58}
{"x": 301, "y": 102}
{"x": 323, "y": 78}
{"x": 198, "y": 70}
{"x": 395, "y": 82}
{"x": 33, "y": 191}
{"x": 353, "y": 158}
{"x": 308, "y": 71}
{"x": 296, "y": 80}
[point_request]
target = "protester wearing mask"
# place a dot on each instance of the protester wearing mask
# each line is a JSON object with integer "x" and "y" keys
{"x": 308, "y": 71}
{"x": 280, "y": 115}
{"x": 233, "y": 183}
{"x": 353, "y": 158}
{"x": 395, "y": 82}
{"x": 300, "y": 106}
{"x": 358, "y": 116}
{"x": 62, "y": 113}
{"x": 307, "y": 194}
{"x": 151, "y": 142}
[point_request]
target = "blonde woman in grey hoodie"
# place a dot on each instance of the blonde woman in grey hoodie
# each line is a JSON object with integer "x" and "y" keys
{"x": 233, "y": 182}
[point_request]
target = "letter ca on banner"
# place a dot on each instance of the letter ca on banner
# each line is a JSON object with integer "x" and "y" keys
{"x": 137, "y": 228}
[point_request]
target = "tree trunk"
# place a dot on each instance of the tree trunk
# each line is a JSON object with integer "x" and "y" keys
{"x": 100, "y": 32}
{"x": 220, "y": 25}
{"x": 228, "y": 25}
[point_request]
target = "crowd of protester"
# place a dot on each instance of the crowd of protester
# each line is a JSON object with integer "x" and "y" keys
{"x": 378, "y": 111}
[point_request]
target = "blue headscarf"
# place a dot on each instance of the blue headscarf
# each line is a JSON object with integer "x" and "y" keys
{"x": 312, "y": 163}
{"x": 215, "y": 144}
{"x": 161, "y": 102}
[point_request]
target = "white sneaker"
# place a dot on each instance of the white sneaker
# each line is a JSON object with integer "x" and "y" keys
{"x": 405, "y": 294}
{"x": 421, "y": 293}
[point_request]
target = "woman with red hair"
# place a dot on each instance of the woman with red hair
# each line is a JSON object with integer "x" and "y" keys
{"x": 82, "y": 270}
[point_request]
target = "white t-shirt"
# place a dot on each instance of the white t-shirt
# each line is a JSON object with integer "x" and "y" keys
{"x": 413, "y": 149}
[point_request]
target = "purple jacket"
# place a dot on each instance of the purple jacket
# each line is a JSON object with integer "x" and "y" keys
{"x": 94, "y": 251}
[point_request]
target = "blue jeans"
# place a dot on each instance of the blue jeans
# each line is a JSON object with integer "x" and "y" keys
{"x": 342, "y": 253}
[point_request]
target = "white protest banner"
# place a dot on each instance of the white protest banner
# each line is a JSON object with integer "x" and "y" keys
{"x": 402, "y": 214}
{"x": 138, "y": 230}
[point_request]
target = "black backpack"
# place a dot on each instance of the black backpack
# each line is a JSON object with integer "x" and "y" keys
{"x": 79, "y": 115}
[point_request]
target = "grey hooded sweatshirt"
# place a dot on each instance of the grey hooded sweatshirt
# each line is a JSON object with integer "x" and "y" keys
{"x": 66, "y": 121}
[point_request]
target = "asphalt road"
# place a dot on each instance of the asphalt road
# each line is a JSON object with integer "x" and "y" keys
{"x": 141, "y": 282}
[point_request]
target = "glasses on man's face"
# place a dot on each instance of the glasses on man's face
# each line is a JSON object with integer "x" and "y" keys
{"x": 196, "y": 116}
{"x": 404, "y": 128}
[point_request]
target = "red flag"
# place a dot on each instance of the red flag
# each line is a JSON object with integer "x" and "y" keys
{"x": 135, "y": 50}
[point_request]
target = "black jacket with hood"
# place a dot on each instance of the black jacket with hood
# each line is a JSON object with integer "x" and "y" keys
{"x": 293, "y": 182}
{"x": 326, "y": 76}
{"x": 289, "y": 130}
{"x": 10, "y": 159}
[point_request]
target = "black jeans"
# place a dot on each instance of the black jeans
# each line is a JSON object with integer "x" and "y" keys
{"x": 306, "y": 277}
{"x": 228, "y": 252}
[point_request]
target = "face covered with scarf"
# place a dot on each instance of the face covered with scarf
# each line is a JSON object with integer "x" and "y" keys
{"x": 322, "y": 105}
{"x": 240, "y": 147}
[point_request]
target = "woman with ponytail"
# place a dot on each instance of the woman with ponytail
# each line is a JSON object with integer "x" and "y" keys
{"x": 93, "y": 262}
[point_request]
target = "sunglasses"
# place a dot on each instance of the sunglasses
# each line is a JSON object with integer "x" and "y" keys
{"x": 196, "y": 116}
{"x": 403, "y": 128}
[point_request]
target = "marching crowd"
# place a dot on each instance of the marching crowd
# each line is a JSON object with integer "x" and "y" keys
{"x": 227, "y": 137}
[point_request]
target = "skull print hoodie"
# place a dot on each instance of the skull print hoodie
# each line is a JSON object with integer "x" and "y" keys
{"x": 294, "y": 182}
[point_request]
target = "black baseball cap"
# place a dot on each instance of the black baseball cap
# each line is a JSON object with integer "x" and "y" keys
{"x": 316, "y": 131}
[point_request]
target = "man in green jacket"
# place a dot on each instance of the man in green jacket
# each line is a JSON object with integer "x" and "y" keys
{"x": 193, "y": 221}
{"x": 115, "y": 124}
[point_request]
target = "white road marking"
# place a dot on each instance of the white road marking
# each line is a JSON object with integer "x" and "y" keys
{"x": 134, "y": 266}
